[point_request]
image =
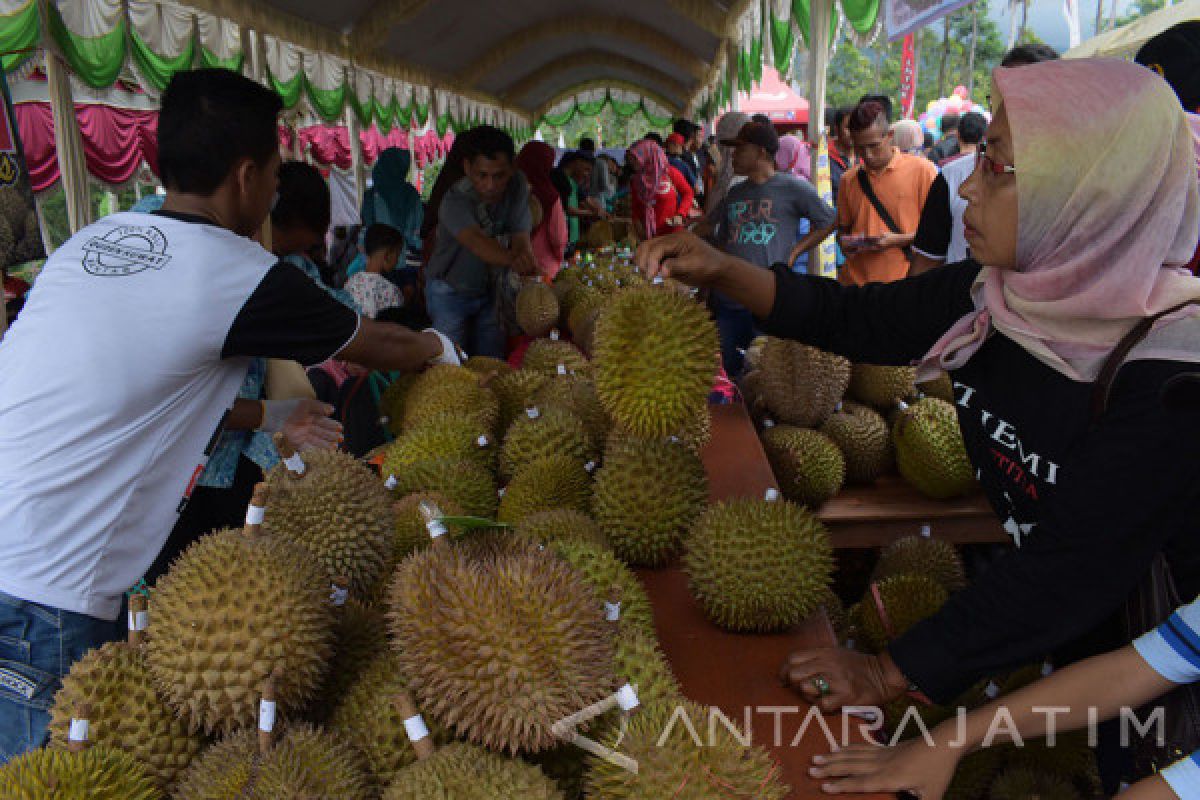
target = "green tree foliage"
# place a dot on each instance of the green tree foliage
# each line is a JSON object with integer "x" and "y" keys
{"x": 607, "y": 128}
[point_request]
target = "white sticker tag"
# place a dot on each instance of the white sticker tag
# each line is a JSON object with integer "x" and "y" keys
{"x": 768, "y": 423}
{"x": 266, "y": 715}
{"x": 627, "y": 698}
{"x": 295, "y": 463}
{"x": 255, "y": 515}
{"x": 927, "y": 531}
{"x": 436, "y": 528}
{"x": 391, "y": 483}
{"x": 385, "y": 421}
{"x": 78, "y": 731}
{"x": 673, "y": 439}
{"x": 562, "y": 369}
{"x": 554, "y": 335}
{"x": 1047, "y": 668}
{"x": 590, "y": 466}
{"x": 501, "y": 491}
{"x": 138, "y": 620}
{"x": 658, "y": 280}
{"x": 992, "y": 691}
{"x": 772, "y": 495}
{"x": 483, "y": 440}
{"x": 338, "y": 596}
{"x": 612, "y": 611}
{"x": 532, "y": 413}
{"x": 416, "y": 728}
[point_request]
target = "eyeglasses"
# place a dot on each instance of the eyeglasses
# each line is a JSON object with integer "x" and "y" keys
{"x": 983, "y": 161}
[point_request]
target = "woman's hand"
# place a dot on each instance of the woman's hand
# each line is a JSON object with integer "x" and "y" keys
{"x": 833, "y": 678}
{"x": 914, "y": 766}
{"x": 305, "y": 423}
{"x": 682, "y": 256}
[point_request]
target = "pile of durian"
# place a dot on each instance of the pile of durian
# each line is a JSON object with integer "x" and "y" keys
{"x": 912, "y": 579}
{"x": 827, "y": 423}
{"x": 483, "y": 571}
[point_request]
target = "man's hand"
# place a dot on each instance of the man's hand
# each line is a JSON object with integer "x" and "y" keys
{"x": 889, "y": 239}
{"x": 832, "y": 678}
{"x": 913, "y": 766}
{"x": 682, "y": 256}
{"x": 524, "y": 263}
{"x": 305, "y": 422}
{"x": 449, "y": 352}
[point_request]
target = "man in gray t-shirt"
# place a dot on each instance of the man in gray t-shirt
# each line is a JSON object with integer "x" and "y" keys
{"x": 759, "y": 222}
{"x": 483, "y": 229}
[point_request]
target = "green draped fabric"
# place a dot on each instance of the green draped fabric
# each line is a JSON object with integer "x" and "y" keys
{"x": 783, "y": 41}
{"x": 18, "y": 36}
{"x": 95, "y": 61}
{"x": 657, "y": 122}
{"x": 157, "y": 69}
{"x": 328, "y": 103}
{"x": 403, "y": 116}
{"x": 803, "y": 17}
{"x": 624, "y": 110}
{"x": 363, "y": 110}
{"x": 420, "y": 113}
{"x": 557, "y": 121}
{"x": 862, "y": 14}
{"x": 289, "y": 91}
{"x": 442, "y": 124}
{"x": 210, "y": 59}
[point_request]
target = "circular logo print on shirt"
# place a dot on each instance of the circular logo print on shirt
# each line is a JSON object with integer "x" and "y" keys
{"x": 126, "y": 250}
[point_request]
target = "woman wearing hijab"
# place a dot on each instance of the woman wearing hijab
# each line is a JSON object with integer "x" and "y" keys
{"x": 392, "y": 200}
{"x": 1092, "y": 475}
{"x": 795, "y": 158}
{"x": 662, "y": 198}
{"x": 549, "y": 235}
{"x": 604, "y": 181}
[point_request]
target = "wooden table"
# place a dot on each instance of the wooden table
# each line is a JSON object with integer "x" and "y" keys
{"x": 739, "y": 672}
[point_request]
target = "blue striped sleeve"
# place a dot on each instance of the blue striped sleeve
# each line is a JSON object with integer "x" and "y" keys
{"x": 1184, "y": 777}
{"x": 1173, "y": 648}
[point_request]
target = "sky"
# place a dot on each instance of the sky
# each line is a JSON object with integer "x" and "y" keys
{"x": 1047, "y": 21}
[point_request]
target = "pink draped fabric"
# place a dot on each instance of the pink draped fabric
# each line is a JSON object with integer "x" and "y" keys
{"x": 115, "y": 142}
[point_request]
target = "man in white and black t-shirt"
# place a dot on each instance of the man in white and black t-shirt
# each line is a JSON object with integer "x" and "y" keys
{"x": 120, "y": 370}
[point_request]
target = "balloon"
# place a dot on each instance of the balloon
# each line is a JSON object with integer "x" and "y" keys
{"x": 961, "y": 91}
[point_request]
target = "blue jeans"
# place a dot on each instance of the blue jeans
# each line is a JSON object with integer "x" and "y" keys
{"x": 736, "y": 327}
{"x": 38, "y": 645}
{"x": 469, "y": 318}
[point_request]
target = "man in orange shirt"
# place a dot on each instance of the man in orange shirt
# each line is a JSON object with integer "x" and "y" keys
{"x": 876, "y": 234}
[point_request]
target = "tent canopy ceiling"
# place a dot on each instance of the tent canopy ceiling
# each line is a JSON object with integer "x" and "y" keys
{"x": 529, "y": 53}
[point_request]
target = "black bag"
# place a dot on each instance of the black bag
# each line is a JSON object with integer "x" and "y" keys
{"x": 1154, "y": 600}
{"x": 881, "y": 209}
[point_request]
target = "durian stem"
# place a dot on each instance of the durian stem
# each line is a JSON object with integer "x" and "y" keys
{"x": 566, "y": 726}
{"x": 424, "y": 746}
{"x": 77, "y": 738}
{"x": 137, "y": 607}
{"x": 266, "y": 714}
{"x": 254, "y": 513}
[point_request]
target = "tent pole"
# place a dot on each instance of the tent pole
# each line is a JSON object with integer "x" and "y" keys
{"x": 818, "y": 52}
{"x": 354, "y": 129}
{"x": 68, "y": 143}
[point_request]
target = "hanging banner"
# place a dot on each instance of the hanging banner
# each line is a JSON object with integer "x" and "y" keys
{"x": 906, "y": 16}
{"x": 826, "y": 265}
{"x": 908, "y": 77}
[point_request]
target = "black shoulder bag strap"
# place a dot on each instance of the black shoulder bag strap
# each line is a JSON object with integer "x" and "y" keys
{"x": 865, "y": 182}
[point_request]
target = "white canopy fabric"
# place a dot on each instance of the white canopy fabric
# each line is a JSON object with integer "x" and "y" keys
{"x": 1127, "y": 40}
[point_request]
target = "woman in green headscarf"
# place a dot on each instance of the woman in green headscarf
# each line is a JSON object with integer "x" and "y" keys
{"x": 392, "y": 200}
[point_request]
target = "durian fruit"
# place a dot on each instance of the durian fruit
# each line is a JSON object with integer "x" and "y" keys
{"x": 756, "y": 565}
{"x": 638, "y": 661}
{"x": 863, "y": 437}
{"x": 97, "y": 773}
{"x": 443, "y": 389}
{"x": 754, "y": 351}
{"x": 499, "y": 642}
{"x": 576, "y": 394}
{"x": 677, "y": 759}
{"x": 1017, "y": 783}
{"x": 837, "y": 613}
{"x": 751, "y": 385}
{"x": 801, "y": 385}
{"x": 368, "y": 719}
{"x": 601, "y": 571}
{"x": 360, "y": 636}
{"x": 581, "y": 319}
{"x": 543, "y": 432}
{"x": 930, "y": 452}
{"x": 880, "y": 386}
{"x": 487, "y": 365}
{"x": 448, "y": 436}
{"x": 907, "y": 599}
{"x": 599, "y": 234}
{"x": 1069, "y": 759}
{"x": 559, "y": 525}
{"x": 545, "y": 356}
{"x": 470, "y": 486}
{"x": 30, "y": 246}
{"x": 537, "y": 308}
{"x": 391, "y": 403}
{"x": 656, "y": 357}
{"x": 304, "y": 763}
{"x": 922, "y": 555}
{"x": 229, "y": 611}
{"x": 941, "y": 387}
{"x": 125, "y": 713}
{"x": 646, "y": 497}
{"x": 809, "y": 466}
{"x": 338, "y": 510}
{"x": 514, "y": 391}
{"x": 975, "y": 774}
{"x": 411, "y": 531}
{"x": 544, "y": 485}
{"x": 461, "y": 771}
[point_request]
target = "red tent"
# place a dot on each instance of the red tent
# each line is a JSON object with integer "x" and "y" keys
{"x": 787, "y": 109}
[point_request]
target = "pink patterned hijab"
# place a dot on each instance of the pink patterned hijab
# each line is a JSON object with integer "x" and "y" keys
{"x": 649, "y": 179}
{"x": 1108, "y": 212}
{"x": 794, "y": 156}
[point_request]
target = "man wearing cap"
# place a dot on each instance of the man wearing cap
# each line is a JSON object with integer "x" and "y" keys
{"x": 758, "y": 223}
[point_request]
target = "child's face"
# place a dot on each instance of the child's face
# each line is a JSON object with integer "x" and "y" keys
{"x": 391, "y": 258}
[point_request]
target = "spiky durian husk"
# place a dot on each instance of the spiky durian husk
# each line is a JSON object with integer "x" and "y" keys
{"x": 448, "y": 436}
{"x": 304, "y": 763}
{"x": 801, "y": 385}
{"x": 1017, "y": 783}
{"x": 693, "y": 435}
{"x": 126, "y": 713}
{"x": 656, "y": 357}
{"x": 515, "y": 391}
{"x": 467, "y": 484}
{"x": 755, "y": 565}
{"x": 907, "y": 599}
{"x": 809, "y": 466}
{"x": 562, "y": 524}
{"x": 601, "y": 570}
{"x": 975, "y": 774}
{"x": 922, "y": 555}
{"x": 98, "y": 773}
{"x": 576, "y": 394}
{"x": 599, "y": 234}
{"x": 462, "y": 772}
{"x": 754, "y": 352}
{"x": 537, "y": 308}
{"x": 941, "y": 387}
{"x": 367, "y": 719}
{"x": 1070, "y": 758}
{"x": 545, "y": 356}
{"x": 582, "y": 320}
{"x": 544, "y": 485}
{"x": 673, "y": 763}
{"x": 566, "y": 765}
{"x": 499, "y": 643}
{"x": 487, "y": 365}
{"x": 391, "y": 402}
{"x": 645, "y": 520}
{"x": 930, "y": 452}
{"x": 638, "y": 661}
{"x": 360, "y": 635}
{"x": 880, "y": 386}
{"x": 411, "y": 531}
{"x": 443, "y": 389}
{"x": 864, "y": 439}
{"x": 230, "y": 610}
{"x": 541, "y": 433}
{"x": 338, "y": 510}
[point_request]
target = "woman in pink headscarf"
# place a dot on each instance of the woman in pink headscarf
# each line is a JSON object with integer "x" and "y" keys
{"x": 794, "y": 157}
{"x": 661, "y": 197}
{"x": 1062, "y": 341}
